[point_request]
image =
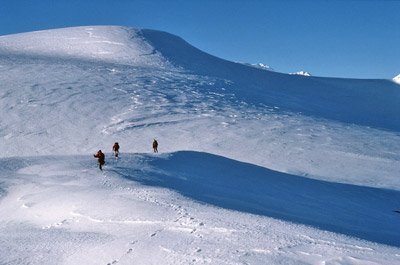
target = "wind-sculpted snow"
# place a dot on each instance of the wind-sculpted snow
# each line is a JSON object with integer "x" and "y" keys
{"x": 366, "y": 102}
{"x": 372, "y": 103}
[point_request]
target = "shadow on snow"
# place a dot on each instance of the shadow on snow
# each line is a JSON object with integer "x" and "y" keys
{"x": 359, "y": 211}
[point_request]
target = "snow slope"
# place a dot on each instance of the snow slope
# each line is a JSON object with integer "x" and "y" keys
{"x": 277, "y": 169}
{"x": 61, "y": 210}
{"x": 89, "y": 43}
{"x": 365, "y": 102}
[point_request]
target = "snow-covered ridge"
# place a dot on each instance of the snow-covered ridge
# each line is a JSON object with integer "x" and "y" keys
{"x": 259, "y": 66}
{"x": 101, "y": 43}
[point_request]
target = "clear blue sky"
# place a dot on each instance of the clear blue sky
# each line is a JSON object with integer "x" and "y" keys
{"x": 358, "y": 39}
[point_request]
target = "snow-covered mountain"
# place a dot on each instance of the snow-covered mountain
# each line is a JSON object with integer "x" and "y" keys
{"x": 259, "y": 66}
{"x": 255, "y": 167}
{"x": 397, "y": 79}
{"x": 262, "y": 66}
{"x": 301, "y": 73}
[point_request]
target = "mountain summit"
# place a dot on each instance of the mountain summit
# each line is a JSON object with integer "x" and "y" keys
{"x": 101, "y": 43}
{"x": 364, "y": 102}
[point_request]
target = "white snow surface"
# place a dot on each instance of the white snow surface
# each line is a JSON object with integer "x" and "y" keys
{"x": 88, "y": 43}
{"x": 254, "y": 167}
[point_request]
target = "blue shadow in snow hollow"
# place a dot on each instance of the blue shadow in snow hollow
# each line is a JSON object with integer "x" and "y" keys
{"x": 358, "y": 211}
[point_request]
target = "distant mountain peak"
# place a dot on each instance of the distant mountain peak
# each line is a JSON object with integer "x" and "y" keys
{"x": 397, "y": 79}
{"x": 301, "y": 73}
{"x": 259, "y": 66}
{"x": 262, "y": 66}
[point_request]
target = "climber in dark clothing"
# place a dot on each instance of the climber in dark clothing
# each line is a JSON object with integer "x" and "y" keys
{"x": 116, "y": 149}
{"x": 155, "y": 145}
{"x": 100, "y": 158}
